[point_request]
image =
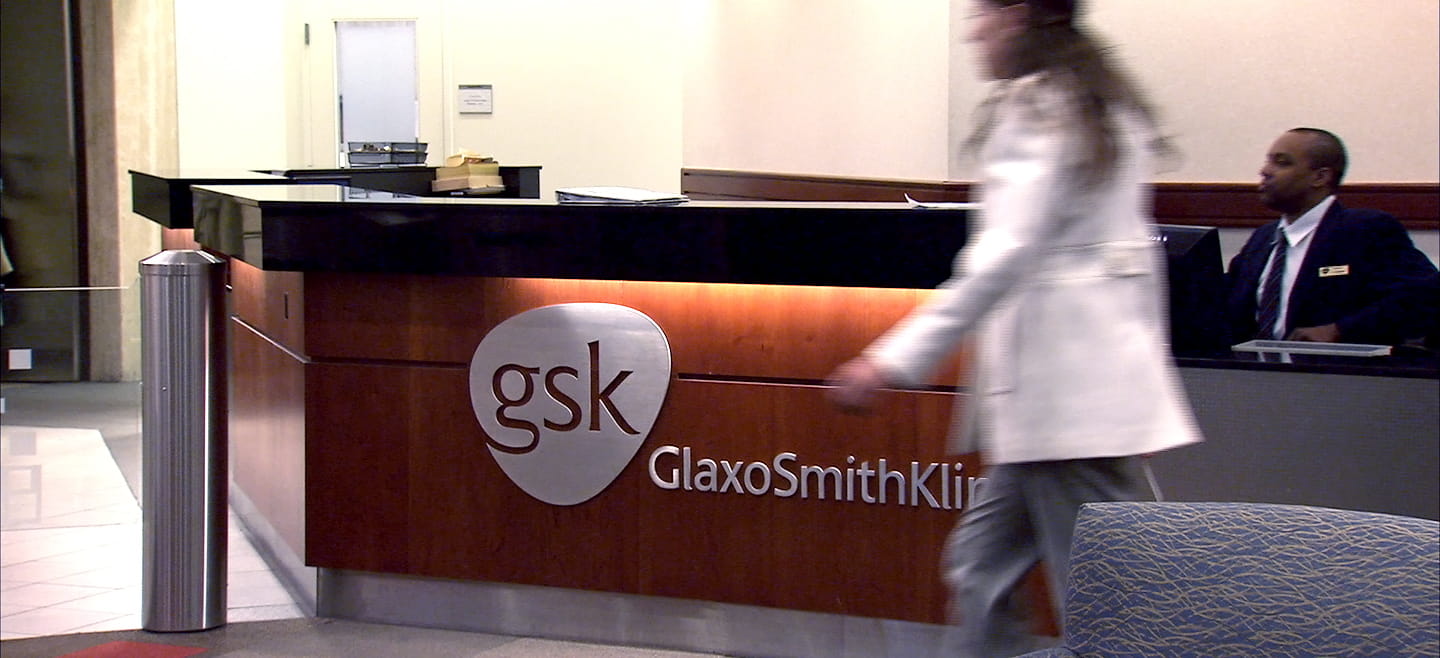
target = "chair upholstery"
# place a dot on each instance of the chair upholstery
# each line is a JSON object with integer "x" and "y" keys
{"x": 1250, "y": 579}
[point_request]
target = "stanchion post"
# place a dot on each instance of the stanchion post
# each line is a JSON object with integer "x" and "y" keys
{"x": 184, "y": 461}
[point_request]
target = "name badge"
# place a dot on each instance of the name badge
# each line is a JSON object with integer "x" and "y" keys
{"x": 1335, "y": 270}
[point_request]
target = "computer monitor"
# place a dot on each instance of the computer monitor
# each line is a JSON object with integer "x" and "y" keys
{"x": 1197, "y": 290}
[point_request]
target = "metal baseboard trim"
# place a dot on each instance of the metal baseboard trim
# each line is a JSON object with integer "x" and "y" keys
{"x": 620, "y": 619}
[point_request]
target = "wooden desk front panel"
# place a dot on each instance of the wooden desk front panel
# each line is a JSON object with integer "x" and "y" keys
{"x": 398, "y": 478}
{"x": 271, "y": 303}
{"x": 267, "y": 431}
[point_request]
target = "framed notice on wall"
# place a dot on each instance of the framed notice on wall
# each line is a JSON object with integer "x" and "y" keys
{"x": 477, "y": 99}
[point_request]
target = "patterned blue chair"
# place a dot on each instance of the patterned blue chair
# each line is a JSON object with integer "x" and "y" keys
{"x": 1250, "y": 579}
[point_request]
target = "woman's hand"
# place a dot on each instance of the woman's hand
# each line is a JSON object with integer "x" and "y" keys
{"x": 855, "y": 384}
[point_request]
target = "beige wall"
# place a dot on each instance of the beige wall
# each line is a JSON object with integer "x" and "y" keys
{"x": 844, "y": 87}
{"x": 1232, "y": 75}
{"x": 628, "y": 91}
{"x": 591, "y": 91}
{"x": 851, "y": 87}
{"x": 232, "y": 69}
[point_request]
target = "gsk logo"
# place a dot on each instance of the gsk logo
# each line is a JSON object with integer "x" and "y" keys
{"x": 567, "y": 394}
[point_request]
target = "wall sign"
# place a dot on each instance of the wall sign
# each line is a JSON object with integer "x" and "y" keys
{"x": 567, "y": 394}
{"x": 477, "y": 99}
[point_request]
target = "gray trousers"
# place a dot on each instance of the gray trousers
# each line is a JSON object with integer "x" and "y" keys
{"x": 1024, "y": 513}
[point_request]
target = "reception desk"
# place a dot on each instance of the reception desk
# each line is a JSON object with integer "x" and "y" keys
{"x": 753, "y": 519}
{"x": 1346, "y": 432}
{"x": 355, "y": 318}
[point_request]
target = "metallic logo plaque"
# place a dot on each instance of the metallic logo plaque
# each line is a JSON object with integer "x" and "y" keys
{"x": 567, "y": 394}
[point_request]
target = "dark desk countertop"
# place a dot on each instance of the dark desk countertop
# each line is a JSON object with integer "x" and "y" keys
{"x": 163, "y": 195}
{"x": 332, "y": 228}
{"x": 345, "y": 229}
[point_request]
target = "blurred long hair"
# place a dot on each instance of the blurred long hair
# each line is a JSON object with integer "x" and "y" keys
{"x": 1095, "y": 84}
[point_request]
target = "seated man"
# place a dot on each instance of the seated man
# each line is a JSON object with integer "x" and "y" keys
{"x": 1341, "y": 274}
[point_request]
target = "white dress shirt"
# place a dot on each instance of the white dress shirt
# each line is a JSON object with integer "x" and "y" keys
{"x": 1297, "y": 236}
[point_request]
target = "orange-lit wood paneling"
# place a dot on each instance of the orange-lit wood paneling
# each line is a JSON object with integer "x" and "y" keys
{"x": 400, "y": 481}
{"x": 395, "y": 477}
{"x": 792, "y": 332}
{"x": 178, "y": 238}
{"x": 273, "y": 303}
{"x": 267, "y": 432}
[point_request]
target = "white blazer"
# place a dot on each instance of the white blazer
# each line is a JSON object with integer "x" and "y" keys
{"x": 1063, "y": 283}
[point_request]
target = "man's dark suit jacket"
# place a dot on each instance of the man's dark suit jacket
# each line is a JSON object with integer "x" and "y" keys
{"x": 1387, "y": 296}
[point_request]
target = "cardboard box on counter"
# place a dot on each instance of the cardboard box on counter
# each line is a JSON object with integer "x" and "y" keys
{"x": 472, "y": 169}
{"x": 478, "y": 182}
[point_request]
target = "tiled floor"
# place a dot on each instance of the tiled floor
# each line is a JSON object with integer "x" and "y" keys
{"x": 70, "y": 541}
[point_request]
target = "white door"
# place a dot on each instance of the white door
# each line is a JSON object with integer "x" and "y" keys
{"x": 372, "y": 76}
{"x": 377, "y": 96}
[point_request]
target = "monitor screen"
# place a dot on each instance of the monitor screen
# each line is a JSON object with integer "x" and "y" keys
{"x": 1197, "y": 290}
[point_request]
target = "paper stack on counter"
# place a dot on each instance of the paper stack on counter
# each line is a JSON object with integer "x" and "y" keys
{"x": 470, "y": 173}
{"x": 606, "y": 195}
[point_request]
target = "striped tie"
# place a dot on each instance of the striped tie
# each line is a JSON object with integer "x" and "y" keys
{"x": 1269, "y": 313}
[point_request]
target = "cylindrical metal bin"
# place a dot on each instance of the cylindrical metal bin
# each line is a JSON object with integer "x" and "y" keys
{"x": 184, "y": 465}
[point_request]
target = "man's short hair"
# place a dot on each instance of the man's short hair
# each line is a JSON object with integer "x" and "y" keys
{"x": 1326, "y": 150}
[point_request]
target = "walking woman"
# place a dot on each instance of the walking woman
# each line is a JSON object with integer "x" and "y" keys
{"x": 1062, "y": 285}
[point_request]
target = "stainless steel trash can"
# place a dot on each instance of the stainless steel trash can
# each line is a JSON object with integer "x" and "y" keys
{"x": 184, "y": 464}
